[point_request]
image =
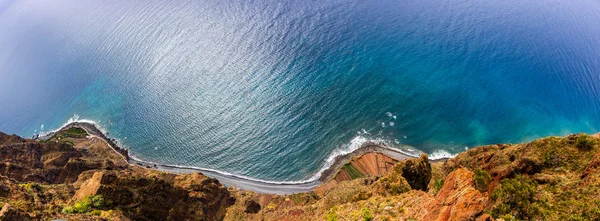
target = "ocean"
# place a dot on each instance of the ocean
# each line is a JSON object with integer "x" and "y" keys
{"x": 273, "y": 90}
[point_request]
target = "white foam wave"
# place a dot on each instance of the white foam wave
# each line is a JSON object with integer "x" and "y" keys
{"x": 223, "y": 173}
{"x": 440, "y": 154}
{"x": 75, "y": 119}
{"x": 355, "y": 144}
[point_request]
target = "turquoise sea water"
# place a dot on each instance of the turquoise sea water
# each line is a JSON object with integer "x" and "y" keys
{"x": 272, "y": 89}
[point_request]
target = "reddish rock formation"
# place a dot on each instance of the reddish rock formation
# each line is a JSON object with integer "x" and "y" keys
{"x": 458, "y": 199}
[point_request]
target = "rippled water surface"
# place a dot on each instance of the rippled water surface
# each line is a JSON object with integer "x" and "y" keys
{"x": 272, "y": 89}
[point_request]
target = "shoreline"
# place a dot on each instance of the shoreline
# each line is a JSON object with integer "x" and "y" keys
{"x": 241, "y": 182}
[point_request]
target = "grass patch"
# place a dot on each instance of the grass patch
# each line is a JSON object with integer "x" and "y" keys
{"x": 87, "y": 205}
{"x": 353, "y": 172}
{"x": 74, "y": 132}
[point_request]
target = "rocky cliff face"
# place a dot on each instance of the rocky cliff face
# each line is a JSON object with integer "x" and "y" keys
{"x": 555, "y": 178}
{"x": 75, "y": 176}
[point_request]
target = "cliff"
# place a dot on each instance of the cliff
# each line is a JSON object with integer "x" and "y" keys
{"x": 77, "y": 176}
{"x": 554, "y": 178}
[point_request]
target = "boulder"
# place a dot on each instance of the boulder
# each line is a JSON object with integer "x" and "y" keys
{"x": 417, "y": 173}
{"x": 89, "y": 187}
{"x": 252, "y": 207}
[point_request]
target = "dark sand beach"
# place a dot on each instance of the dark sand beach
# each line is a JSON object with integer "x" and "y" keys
{"x": 271, "y": 187}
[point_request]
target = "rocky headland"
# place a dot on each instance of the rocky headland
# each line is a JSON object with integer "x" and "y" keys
{"x": 78, "y": 173}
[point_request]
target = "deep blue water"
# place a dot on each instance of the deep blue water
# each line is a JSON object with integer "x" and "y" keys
{"x": 271, "y": 89}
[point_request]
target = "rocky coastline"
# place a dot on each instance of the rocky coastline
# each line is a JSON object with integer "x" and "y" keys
{"x": 78, "y": 173}
{"x": 241, "y": 182}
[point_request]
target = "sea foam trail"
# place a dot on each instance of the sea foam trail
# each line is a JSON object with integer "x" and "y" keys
{"x": 441, "y": 154}
{"x": 73, "y": 119}
{"x": 358, "y": 145}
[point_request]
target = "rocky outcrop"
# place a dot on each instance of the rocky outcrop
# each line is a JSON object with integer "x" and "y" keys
{"x": 77, "y": 177}
{"x": 591, "y": 171}
{"x": 49, "y": 162}
{"x": 252, "y": 206}
{"x": 10, "y": 139}
{"x": 158, "y": 196}
{"x": 9, "y": 213}
{"x": 458, "y": 199}
{"x": 555, "y": 178}
{"x": 89, "y": 187}
{"x": 417, "y": 172}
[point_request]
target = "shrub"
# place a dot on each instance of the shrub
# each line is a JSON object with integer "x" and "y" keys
{"x": 508, "y": 217}
{"x": 98, "y": 202}
{"x": 516, "y": 198}
{"x": 272, "y": 206}
{"x": 69, "y": 210}
{"x": 366, "y": 214}
{"x": 482, "y": 179}
{"x": 584, "y": 143}
{"x": 398, "y": 188}
{"x": 96, "y": 213}
{"x": 87, "y": 205}
{"x": 31, "y": 187}
{"x": 552, "y": 158}
{"x": 437, "y": 185}
{"x": 345, "y": 192}
{"x": 83, "y": 206}
{"x": 331, "y": 215}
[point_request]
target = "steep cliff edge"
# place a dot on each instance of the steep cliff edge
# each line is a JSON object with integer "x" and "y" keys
{"x": 77, "y": 176}
{"x": 554, "y": 178}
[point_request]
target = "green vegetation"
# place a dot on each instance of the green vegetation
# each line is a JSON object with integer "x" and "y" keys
{"x": 482, "y": 179}
{"x": 584, "y": 143}
{"x": 31, "y": 187}
{"x": 297, "y": 198}
{"x": 352, "y": 171}
{"x": 366, "y": 214}
{"x": 74, "y": 132}
{"x": 87, "y": 205}
{"x": 53, "y": 137}
{"x": 272, "y": 205}
{"x": 437, "y": 185}
{"x": 346, "y": 192}
{"x": 517, "y": 198}
{"x": 331, "y": 215}
{"x": 393, "y": 183}
{"x": 553, "y": 158}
